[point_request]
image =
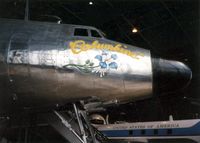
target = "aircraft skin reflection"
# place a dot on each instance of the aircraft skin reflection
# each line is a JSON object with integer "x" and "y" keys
{"x": 43, "y": 64}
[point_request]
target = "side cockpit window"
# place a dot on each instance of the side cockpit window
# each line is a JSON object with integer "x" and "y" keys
{"x": 80, "y": 32}
{"x": 94, "y": 33}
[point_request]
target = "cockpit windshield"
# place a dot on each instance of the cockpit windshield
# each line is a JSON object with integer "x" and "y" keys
{"x": 80, "y": 32}
{"x": 94, "y": 33}
{"x": 88, "y": 32}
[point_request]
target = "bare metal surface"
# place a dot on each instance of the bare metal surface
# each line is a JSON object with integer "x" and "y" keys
{"x": 38, "y": 67}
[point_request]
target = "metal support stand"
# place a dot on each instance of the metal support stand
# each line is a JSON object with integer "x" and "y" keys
{"x": 67, "y": 124}
{"x": 67, "y": 129}
{"x": 84, "y": 115}
{"x": 80, "y": 123}
{"x": 73, "y": 130}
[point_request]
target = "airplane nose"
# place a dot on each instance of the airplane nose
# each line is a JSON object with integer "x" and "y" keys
{"x": 170, "y": 76}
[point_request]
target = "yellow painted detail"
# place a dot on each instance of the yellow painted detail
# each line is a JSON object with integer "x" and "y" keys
{"x": 79, "y": 46}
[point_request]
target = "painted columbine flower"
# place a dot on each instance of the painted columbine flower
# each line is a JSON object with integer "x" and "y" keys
{"x": 106, "y": 62}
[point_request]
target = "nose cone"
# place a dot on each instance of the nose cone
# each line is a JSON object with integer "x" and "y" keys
{"x": 170, "y": 76}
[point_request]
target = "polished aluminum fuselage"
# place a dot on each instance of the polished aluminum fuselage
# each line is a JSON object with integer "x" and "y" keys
{"x": 42, "y": 64}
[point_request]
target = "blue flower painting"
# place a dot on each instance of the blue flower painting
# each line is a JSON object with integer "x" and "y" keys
{"x": 113, "y": 65}
{"x": 106, "y": 62}
{"x": 99, "y": 57}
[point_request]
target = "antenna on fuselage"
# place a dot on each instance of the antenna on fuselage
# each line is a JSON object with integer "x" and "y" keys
{"x": 171, "y": 118}
{"x": 26, "y": 16}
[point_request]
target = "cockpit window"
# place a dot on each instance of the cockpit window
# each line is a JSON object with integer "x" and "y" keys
{"x": 80, "y": 32}
{"x": 94, "y": 33}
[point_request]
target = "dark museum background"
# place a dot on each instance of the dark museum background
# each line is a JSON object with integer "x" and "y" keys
{"x": 170, "y": 29}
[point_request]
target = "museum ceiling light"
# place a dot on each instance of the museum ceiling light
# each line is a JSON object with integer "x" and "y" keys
{"x": 90, "y": 3}
{"x": 134, "y": 30}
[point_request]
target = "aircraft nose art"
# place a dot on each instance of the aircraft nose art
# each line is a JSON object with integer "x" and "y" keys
{"x": 120, "y": 71}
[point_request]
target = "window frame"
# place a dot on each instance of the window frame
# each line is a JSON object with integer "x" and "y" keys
{"x": 101, "y": 36}
{"x": 81, "y": 35}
